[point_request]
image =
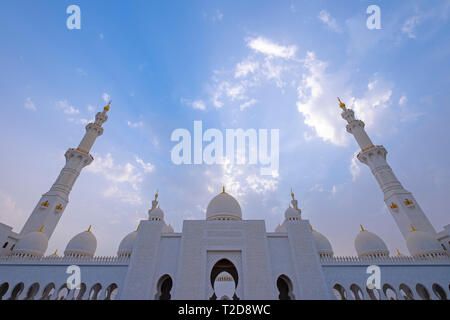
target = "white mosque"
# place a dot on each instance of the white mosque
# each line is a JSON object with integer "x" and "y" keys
{"x": 225, "y": 256}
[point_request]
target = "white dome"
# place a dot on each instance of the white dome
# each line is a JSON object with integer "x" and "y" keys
{"x": 83, "y": 244}
{"x": 156, "y": 214}
{"x": 33, "y": 244}
{"x": 369, "y": 244}
{"x": 223, "y": 207}
{"x": 322, "y": 244}
{"x": 292, "y": 214}
{"x": 127, "y": 244}
{"x": 421, "y": 243}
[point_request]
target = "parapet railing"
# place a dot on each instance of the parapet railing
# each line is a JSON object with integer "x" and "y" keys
{"x": 387, "y": 260}
{"x": 64, "y": 259}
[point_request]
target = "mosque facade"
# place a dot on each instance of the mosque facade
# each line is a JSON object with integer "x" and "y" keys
{"x": 225, "y": 256}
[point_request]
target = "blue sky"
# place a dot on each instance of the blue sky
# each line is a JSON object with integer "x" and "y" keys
{"x": 231, "y": 64}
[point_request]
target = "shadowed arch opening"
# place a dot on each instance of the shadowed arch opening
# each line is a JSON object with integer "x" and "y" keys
{"x": 439, "y": 292}
{"x": 95, "y": 291}
{"x": 356, "y": 292}
{"x": 422, "y": 292}
{"x": 111, "y": 291}
{"x": 374, "y": 294}
{"x": 3, "y": 289}
{"x": 339, "y": 292}
{"x": 224, "y": 265}
{"x": 63, "y": 292}
{"x": 48, "y": 291}
{"x": 285, "y": 288}
{"x": 15, "y": 293}
{"x": 78, "y": 293}
{"x": 32, "y": 291}
{"x": 406, "y": 292}
{"x": 164, "y": 287}
{"x": 389, "y": 292}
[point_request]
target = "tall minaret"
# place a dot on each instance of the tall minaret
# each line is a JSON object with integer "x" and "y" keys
{"x": 50, "y": 208}
{"x": 400, "y": 202}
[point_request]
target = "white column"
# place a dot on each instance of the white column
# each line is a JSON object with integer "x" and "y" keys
{"x": 52, "y": 204}
{"x": 400, "y": 202}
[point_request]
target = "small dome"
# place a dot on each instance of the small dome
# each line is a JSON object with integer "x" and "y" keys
{"x": 322, "y": 244}
{"x": 368, "y": 244}
{"x": 83, "y": 244}
{"x": 292, "y": 214}
{"x": 32, "y": 244}
{"x": 421, "y": 243}
{"x": 127, "y": 244}
{"x": 223, "y": 207}
{"x": 156, "y": 214}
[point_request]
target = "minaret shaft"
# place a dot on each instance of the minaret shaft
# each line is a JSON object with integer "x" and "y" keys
{"x": 400, "y": 202}
{"x": 52, "y": 204}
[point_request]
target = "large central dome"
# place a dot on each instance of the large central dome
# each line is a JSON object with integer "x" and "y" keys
{"x": 223, "y": 207}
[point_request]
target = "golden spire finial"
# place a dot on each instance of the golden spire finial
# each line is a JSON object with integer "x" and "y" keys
{"x": 42, "y": 228}
{"x": 138, "y": 228}
{"x": 362, "y": 228}
{"x": 398, "y": 252}
{"x": 106, "y": 108}
{"x": 292, "y": 194}
{"x": 223, "y": 189}
{"x": 89, "y": 229}
{"x": 412, "y": 228}
{"x": 341, "y": 104}
{"x": 156, "y": 194}
{"x": 312, "y": 228}
{"x": 56, "y": 252}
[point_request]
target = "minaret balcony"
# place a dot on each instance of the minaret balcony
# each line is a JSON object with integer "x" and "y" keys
{"x": 369, "y": 154}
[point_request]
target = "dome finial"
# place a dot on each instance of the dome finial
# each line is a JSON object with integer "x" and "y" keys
{"x": 362, "y": 228}
{"x": 341, "y": 104}
{"x": 398, "y": 252}
{"x": 41, "y": 228}
{"x": 156, "y": 194}
{"x": 137, "y": 229}
{"x": 292, "y": 194}
{"x": 312, "y": 228}
{"x": 89, "y": 229}
{"x": 56, "y": 252}
{"x": 412, "y": 228}
{"x": 223, "y": 189}
{"x": 106, "y": 108}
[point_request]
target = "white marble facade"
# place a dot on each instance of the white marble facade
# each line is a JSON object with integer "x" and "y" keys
{"x": 225, "y": 256}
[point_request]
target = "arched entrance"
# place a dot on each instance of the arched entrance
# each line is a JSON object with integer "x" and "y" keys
{"x": 284, "y": 286}
{"x": 165, "y": 284}
{"x": 225, "y": 268}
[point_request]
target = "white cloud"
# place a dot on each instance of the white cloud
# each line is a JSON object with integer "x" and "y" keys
{"x": 196, "y": 104}
{"x": 125, "y": 179}
{"x": 135, "y": 124}
{"x": 81, "y": 72}
{"x": 403, "y": 100}
{"x": 66, "y": 107}
{"x": 328, "y": 20}
{"x": 248, "y": 104}
{"x": 355, "y": 168}
{"x": 29, "y": 104}
{"x": 270, "y": 48}
{"x": 245, "y": 67}
{"x": 9, "y": 212}
{"x": 101, "y": 36}
{"x": 147, "y": 166}
{"x": 106, "y": 97}
{"x": 410, "y": 25}
{"x": 318, "y": 104}
{"x": 90, "y": 108}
